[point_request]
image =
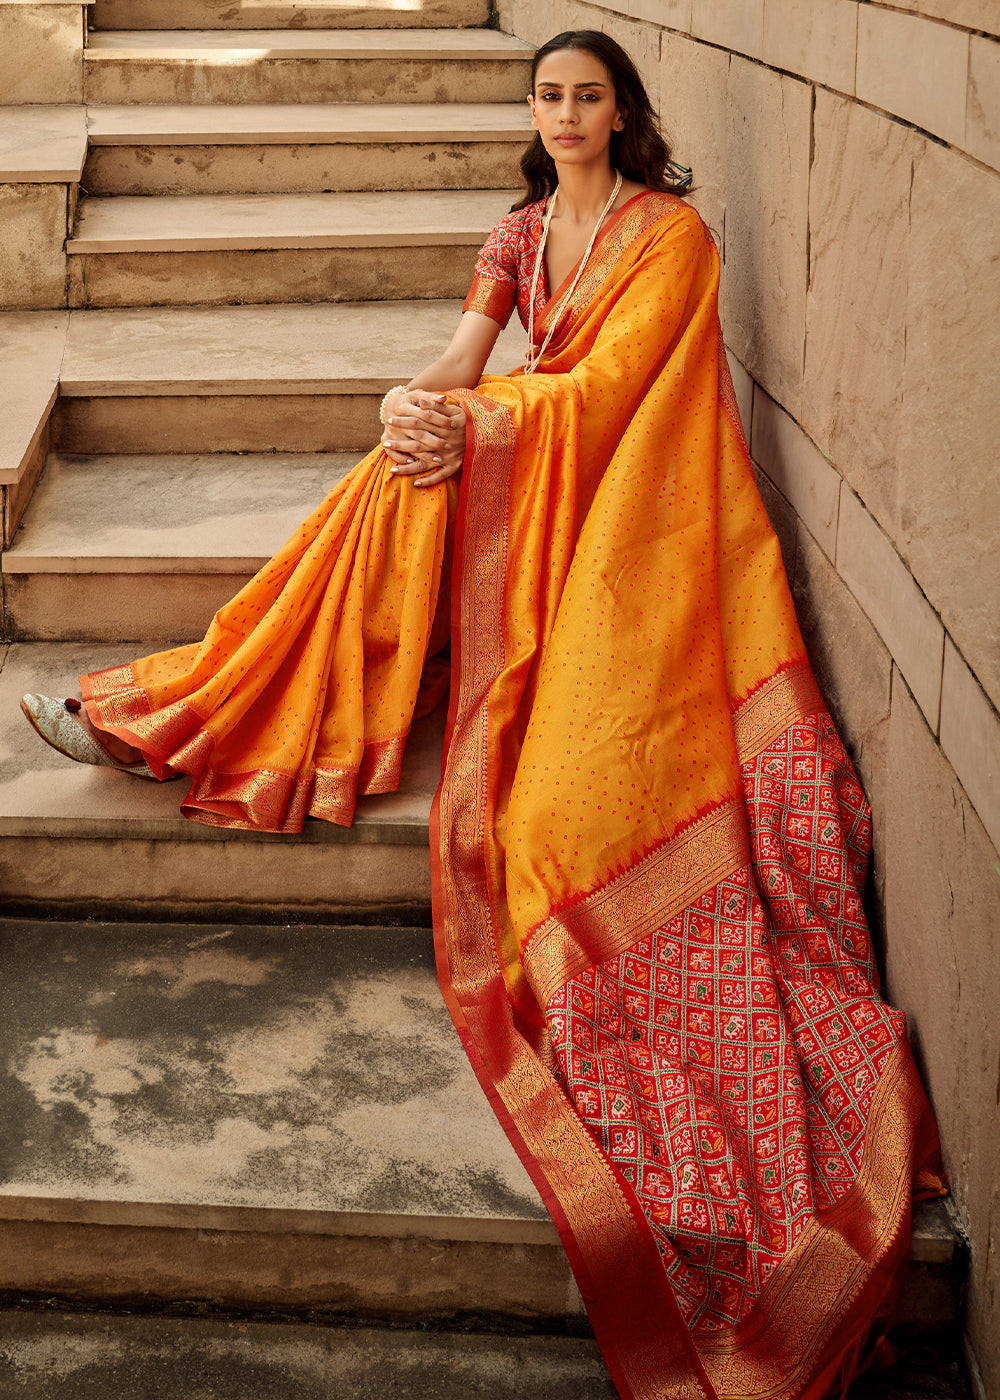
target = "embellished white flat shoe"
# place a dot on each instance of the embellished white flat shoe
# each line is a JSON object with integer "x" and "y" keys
{"x": 62, "y": 731}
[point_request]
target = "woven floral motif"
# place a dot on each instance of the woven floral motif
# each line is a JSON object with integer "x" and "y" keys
{"x": 726, "y": 1063}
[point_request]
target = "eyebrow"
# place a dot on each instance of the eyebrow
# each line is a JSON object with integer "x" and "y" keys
{"x": 576, "y": 86}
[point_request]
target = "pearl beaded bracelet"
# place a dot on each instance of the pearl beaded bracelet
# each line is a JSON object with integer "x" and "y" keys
{"x": 397, "y": 389}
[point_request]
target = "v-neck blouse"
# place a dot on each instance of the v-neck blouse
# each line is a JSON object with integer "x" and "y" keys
{"x": 506, "y": 263}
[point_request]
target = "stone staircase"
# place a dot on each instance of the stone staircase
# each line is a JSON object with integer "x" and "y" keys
{"x": 234, "y": 1106}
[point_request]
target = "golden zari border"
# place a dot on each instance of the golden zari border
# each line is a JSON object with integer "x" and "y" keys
{"x": 381, "y": 766}
{"x": 265, "y": 800}
{"x": 609, "y": 1245}
{"x": 616, "y": 238}
{"x": 842, "y": 1265}
{"x": 667, "y": 880}
{"x": 493, "y": 299}
{"x": 773, "y": 708}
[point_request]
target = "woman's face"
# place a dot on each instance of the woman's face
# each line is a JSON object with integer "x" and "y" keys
{"x": 573, "y": 107}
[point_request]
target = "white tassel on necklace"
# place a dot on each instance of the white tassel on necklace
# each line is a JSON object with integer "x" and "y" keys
{"x": 531, "y": 363}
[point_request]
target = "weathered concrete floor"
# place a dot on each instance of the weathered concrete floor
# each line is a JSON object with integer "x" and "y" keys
{"x": 65, "y": 1356}
{"x": 279, "y": 1069}
{"x": 60, "y": 1356}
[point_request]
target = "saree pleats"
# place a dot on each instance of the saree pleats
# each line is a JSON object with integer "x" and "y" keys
{"x": 648, "y": 850}
{"x": 302, "y": 693}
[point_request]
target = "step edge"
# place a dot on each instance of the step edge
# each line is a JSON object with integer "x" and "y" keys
{"x": 532, "y": 1230}
{"x": 21, "y": 562}
{"x": 366, "y": 830}
{"x": 460, "y": 238}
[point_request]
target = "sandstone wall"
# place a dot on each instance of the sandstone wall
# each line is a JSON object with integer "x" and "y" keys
{"x": 846, "y": 156}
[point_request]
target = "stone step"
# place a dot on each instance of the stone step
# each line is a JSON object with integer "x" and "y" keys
{"x": 281, "y": 1119}
{"x": 247, "y": 378}
{"x": 275, "y": 1119}
{"x": 145, "y": 549}
{"x": 288, "y": 14}
{"x": 106, "y": 1356}
{"x": 280, "y": 65}
{"x": 79, "y": 841}
{"x": 186, "y": 250}
{"x": 304, "y": 147}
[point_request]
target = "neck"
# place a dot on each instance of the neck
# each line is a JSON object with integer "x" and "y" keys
{"x": 583, "y": 192}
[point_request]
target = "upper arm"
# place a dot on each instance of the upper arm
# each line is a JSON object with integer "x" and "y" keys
{"x": 472, "y": 344}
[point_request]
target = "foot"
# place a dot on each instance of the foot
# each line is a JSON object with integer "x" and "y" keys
{"x": 110, "y": 743}
{"x": 63, "y": 729}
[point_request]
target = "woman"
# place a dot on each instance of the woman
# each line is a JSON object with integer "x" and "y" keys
{"x": 648, "y": 843}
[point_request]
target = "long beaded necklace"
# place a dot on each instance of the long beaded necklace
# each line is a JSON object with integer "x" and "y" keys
{"x": 531, "y": 363}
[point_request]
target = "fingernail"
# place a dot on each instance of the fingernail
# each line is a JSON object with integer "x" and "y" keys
{"x": 437, "y": 460}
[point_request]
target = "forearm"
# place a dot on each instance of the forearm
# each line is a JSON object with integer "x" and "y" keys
{"x": 450, "y": 371}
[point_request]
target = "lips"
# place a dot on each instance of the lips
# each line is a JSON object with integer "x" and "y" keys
{"x": 569, "y": 140}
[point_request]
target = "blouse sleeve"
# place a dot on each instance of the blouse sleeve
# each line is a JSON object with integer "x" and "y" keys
{"x": 494, "y": 286}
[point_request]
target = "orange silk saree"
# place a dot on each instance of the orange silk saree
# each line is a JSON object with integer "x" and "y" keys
{"x": 648, "y": 849}
{"x": 648, "y": 843}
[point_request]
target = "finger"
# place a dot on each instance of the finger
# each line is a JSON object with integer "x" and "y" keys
{"x": 419, "y": 418}
{"x": 416, "y": 465}
{"x": 403, "y": 442}
{"x": 424, "y": 441}
{"x": 442, "y": 474}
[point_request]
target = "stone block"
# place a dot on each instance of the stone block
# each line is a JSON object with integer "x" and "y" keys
{"x": 17, "y": 496}
{"x": 943, "y": 906}
{"x": 970, "y": 738}
{"x": 797, "y": 468}
{"x": 42, "y": 47}
{"x": 42, "y": 145}
{"x": 814, "y": 41}
{"x": 218, "y": 423}
{"x": 693, "y": 82}
{"x": 737, "y": 25}
{"x": 973, "y": 14}
{"x": 914, "y": 68}
{"x": 949, "y": 488}
{"x": 982, "y": 138}
{"x": 277, "y": 275}
{"x": 859, "y": 197}
{"x": 32, "y": 246}
{"x": 142, "y": 169}
{"x": 31, "y": 351}
{"x": 767, "y": 193}
{"x": 854, "y": 671}
{"x": 146, "y": 74}
{"x": 531, "y": 20}
{"x": 882, "y": 584}
{"x": 289, "y": 14}
{"x": 674, "y": 14}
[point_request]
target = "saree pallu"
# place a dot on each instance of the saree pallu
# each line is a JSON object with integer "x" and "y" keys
{"x": 648, "y": 849}
{"x": 648, "y": 844}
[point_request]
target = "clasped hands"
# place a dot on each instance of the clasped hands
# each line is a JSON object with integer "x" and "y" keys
{"x": 423, "y": 433}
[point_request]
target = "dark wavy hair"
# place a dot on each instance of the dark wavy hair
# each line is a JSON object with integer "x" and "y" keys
{"x": 639, "y": 150}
